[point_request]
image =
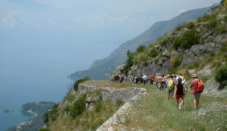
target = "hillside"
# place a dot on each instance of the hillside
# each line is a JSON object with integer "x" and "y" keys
{"x": 101, "y": 69}
{"x": 198, "y": 46}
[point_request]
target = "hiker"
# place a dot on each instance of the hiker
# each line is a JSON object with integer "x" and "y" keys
{"x": 197, "y": 88}
{"x": 131, "y": 79}
{"x": 121, "y": 78}
{"x": 179, "y": 93}
{"x": 159, "y": 81}
{"x": 144, "y": 78}
{"x": 151, "y": 79}
{"x": 170, "y": 87}
{"x": 135, "y": 80}
{"x": 163, "y": 81}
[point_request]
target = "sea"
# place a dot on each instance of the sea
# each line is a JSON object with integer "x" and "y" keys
{"x": 34, "y": 72}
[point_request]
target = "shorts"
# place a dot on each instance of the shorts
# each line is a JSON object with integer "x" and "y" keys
{"x": 159, "y": 85}
{"x": 196, "y": 96}
{"x": 179, "y": 96}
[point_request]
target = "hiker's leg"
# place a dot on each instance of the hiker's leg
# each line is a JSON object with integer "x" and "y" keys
{"x": 178, "y": 101}
{"x": 181, "y": 103}
{"x": 196, "y": 103}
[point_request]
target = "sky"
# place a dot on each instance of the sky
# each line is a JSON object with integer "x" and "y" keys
{"x": 85, "y": 24}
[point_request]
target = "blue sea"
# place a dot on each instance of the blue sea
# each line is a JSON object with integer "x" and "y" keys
{"x": 34, "y": 72}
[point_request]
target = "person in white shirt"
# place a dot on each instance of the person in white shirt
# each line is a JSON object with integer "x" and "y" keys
{"x": 144, "y": 77}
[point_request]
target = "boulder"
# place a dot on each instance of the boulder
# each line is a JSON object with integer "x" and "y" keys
{"x": 166, "y": 54}
{"x": 188, "y": 59}
{"x": 115, "y": 74}
{"x": 174, "y": 52}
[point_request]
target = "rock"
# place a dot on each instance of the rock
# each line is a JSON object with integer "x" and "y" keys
{"x": 211, "y": 87}
{"x": 188, "y": 59}
{"x": 221, "y": 16}
{"x": 174, "y": 52}
{"x": 166, "y": 54}
{"x": 166, "y": 66}
{"x": 205, "y": 71}
{"x": 215, "y": 6}
{"x": 158, "y": 47}
{"x": 115, "y": 74}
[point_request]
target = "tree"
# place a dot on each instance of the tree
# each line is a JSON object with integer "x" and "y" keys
{"x": 221, "y": 75}
{"x": 129, "y": 63}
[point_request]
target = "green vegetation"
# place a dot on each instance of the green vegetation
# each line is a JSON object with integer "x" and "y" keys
{"x": 51, "y": 115}
{"x": 77, "y": 108}
{"x": 155, "y": 112}
{"x": 44, "y": 129}
{"x": 37, "y": 122}
{"x": 129, "y": 63}
{"x": 85, "y": 120}
{"x": 140, "y": 49}
{"x": 186, "y": 41}
{"x": 75, "y": 85}
{"x": 221, "y": 75}
{"x": 175, "y": 60}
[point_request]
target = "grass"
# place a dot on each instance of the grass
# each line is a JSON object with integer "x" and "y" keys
{"x": 89, "y": 120}
{"x": 155, "y": 112}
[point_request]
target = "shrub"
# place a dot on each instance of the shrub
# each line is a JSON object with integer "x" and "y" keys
{"x": 190, "y": 25}
{"x": 140, "y": 49}
{"x": 212, "y": 24}
{"x": 221, "y": 75}
{"x": 175, "y": 60}
{"x": 179, "y": 27}
{"x": 153, "y": 53}
{"x": 51, "y": 115}
{"x": 78, "y": 107}
{"x": 129, "y": 63}
{"x": 44, "y": 129}
{"x": 75, "y": 85}
{"x": 172, "y": 71}
{"x": 224, "y": 3}
{"x": 187, "y": 40}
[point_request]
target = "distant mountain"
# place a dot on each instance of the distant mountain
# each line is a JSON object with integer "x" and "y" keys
{"x": 100, "y": 69}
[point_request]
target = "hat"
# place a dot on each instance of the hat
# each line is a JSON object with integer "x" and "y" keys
{"x": 194, "y": 76}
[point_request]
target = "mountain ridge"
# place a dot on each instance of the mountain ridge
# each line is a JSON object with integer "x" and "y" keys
{"x": 100, "y": 69}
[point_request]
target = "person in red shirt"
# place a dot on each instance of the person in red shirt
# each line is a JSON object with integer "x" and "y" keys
{"x": 151, "y": 79}
{"x": 196, "y": 95}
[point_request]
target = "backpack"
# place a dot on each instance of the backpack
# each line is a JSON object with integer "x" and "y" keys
{"x": 170, "y": 84}
{"x": 200, "y": 87}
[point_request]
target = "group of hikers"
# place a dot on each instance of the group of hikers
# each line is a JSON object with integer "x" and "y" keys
{"x": 175, "y": 86}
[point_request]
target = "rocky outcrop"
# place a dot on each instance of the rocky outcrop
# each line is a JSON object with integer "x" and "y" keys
{"x": 214, "y": 89}
{"x": 115, "y": 74}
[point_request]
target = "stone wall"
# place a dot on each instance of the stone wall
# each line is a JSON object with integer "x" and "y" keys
{"x": 124, "y": 94}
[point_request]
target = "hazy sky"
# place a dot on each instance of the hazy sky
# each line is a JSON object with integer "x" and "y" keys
{"x": 85, "y": 23}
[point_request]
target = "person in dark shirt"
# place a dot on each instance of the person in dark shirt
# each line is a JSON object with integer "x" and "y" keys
{"x": 179, "y": 94}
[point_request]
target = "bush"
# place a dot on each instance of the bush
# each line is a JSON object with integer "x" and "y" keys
{"x": 78, "y": 107}
{"x": 153, "y": 53}
{"x": 186, "y": 41}
{"x": 129, "y": 63}
{"x": 44, "y": 129}
{"x": 140, "y": 49}
{"x": 172, "y": 71}
{"x": 212, "y": 24}
{"x": 224, "y": 3}
{"x": 75, "y": 85}
{"x": 221, "y": 75}
{"x": 51, "y": 115}
{"x": 175, "y": 60}
{"x": 190, "y": 25}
